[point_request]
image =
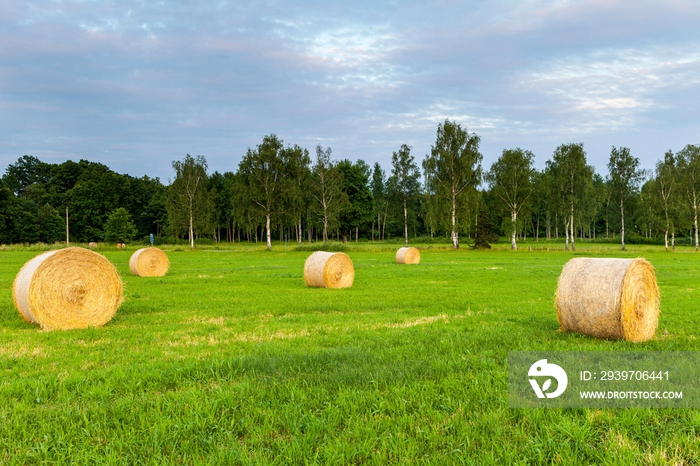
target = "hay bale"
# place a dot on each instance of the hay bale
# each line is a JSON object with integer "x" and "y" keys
{"x": 119, "y": 245}
{"x": 68, "y": 288}
{"x": 608, "y": 298}
{"x": 149, "y": 262}
{"x": 92, "y": 245}
{"x": 408, "y": 256}
{"x": 329, "y": 270}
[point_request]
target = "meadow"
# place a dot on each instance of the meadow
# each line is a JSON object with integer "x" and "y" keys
{"x": 231, "y": 359}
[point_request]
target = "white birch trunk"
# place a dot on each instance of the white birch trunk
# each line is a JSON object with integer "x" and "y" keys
{"x": 622, "y": 218}
{"x": 405, "y": 223}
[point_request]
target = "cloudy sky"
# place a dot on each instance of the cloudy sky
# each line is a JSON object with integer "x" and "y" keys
{"x": 137, "y": 84}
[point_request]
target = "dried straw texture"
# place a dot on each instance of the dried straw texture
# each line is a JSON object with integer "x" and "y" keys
{"x": 329, "y": 270}
{"x": 149, "y": 262}
{"x": 608, "y": 298}
{"x": 92, "y": 245}
{"x": 66, "y": 289}
{"x": 408, "y": 256}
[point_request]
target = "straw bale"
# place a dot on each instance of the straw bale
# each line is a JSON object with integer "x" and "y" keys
{"x": 407, "y": 256}
{"x": 119, "y": 245}
{"x": 149, "y": 262}
{"x": 329, "y": 270}
{"x": 92, "y": 245}
{"x": 608, "y": 298}
{"x": 68, "y": 288}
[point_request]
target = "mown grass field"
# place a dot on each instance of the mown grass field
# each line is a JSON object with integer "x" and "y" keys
{"x": 231, "y": 359}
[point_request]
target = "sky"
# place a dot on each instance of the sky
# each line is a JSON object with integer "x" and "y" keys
{"x": 138, "y": 84}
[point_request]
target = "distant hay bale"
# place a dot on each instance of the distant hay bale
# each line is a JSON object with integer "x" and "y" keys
{"x": 149, "y": 262}
{"x": 608, "y": 298}
{"x": 329, "y": 270}
{"x": 119, "y": 245}
{"x": 92, "y": 245}
{"x": 408, "y": 256}
{"x": 67, "y": 289}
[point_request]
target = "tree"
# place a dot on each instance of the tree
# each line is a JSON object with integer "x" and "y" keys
{"x": 96, "y": 194}
{"x": 221, "y": 186}
{"x": 689, "y": 166}
{"x": 379, "y": 199}
{"x": 510, "y": 179}
{"x": 119, "y": 227}
{"x": 453, "y": 168}
{"x": 27, "y": 171}
{"x": 624, "y": 175}
{"x": 572, "y": 180}
{"x": 357, "y": 212}
{"x": 327, "y": 190}
{"x": 188, "y": 204}
{"x": 265, "y": 175}
{"x": 404, "y": 183}
{"x": 666, "y": 181}
{"x": 297, "y": 196}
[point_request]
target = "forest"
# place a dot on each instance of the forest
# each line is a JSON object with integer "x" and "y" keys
{"x": 286, "y": 193}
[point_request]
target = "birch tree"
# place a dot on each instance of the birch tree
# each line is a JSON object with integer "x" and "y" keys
{"x": 404, "y": 182}
{"x": 454, "y": 169}
{"x": 297, "y": 196}
{"x": 573, "y": 181}
{"x": 624, "y": 175}
{"x": 689, "y": 165}
{"x": 327, "y": 190}
{"x": 265, "y": 173}
{"x": 188, "y": 202}
{"x": 666, "y": 189}
{"x": 379, "y": 199}
{"x": 510, "y": 179}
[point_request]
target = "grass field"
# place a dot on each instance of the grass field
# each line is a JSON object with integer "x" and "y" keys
{"x": 231, "y": 359}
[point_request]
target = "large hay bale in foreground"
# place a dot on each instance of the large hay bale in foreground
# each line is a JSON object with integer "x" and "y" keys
{"x": 608, "y": 298}
{"x": 68, "y": 288}
{"x": 408, "y": 255}
{"x": 329, "y": 270}
{"x": 149, "y": 262}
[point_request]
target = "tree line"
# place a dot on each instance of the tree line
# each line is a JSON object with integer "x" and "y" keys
{"x": 283, "y": 192}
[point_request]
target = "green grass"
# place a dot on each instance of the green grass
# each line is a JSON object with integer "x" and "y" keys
{"x": 231, "y": 359}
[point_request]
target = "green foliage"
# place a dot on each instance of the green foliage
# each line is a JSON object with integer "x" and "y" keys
{"x": 453, "y": 171}
{"x": 189, "y": 204}
{"x": 689, "y": 166}
{"x": 358, "y": 210}
{"x": 119, "y": 227}
{"x": 625, "y": 177}
{"x": 571, "y": 186}
{"x": 379, "y": 200}
{"x": 328, "y": 197}
{"x": 511, "y": 180}
{"x": 404, "y": 185}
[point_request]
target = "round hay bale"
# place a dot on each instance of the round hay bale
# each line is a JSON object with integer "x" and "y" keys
{"x": 68, "y": 288}
{"x": 608, "y": 298}
{"x": 92, "y": 245}
{"x": 123, "y": 246}
{"x": 329, "y": 270}
{"x": 149, "y": 262}
{"x": 408, "y": 256}
{"x": 119, "y": 245}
